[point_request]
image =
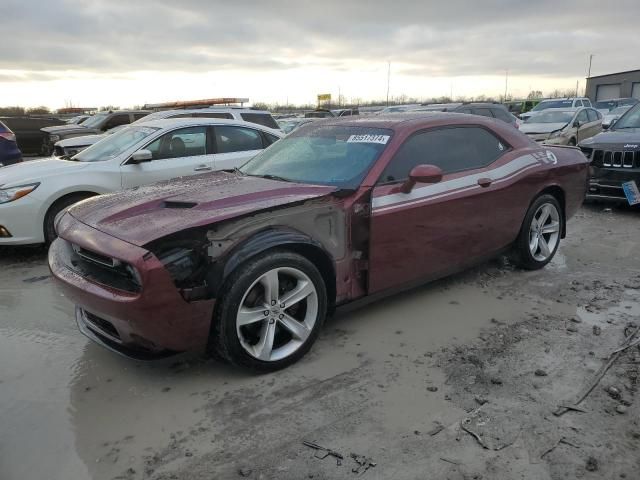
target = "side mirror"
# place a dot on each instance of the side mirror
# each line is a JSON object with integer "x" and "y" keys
{"x": 141, "y": 156}
{"x": 577, "y": 123}
{"x": 422, "y": 174}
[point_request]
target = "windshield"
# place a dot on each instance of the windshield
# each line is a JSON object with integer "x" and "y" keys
{"x": 95, "y": 121}
{"x": 289, "y": 126}
{"x": 631, "y": 119}
{"x": 552, "y": 104}
{"x": 619, "y": 110}
{"x": 608, "y": 105}
{"x": 551, "y": 117}
{"x": 113, "y": 145}
{"x": 325, "y": 155}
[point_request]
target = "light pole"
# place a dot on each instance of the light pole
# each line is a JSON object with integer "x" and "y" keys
{"x": 506, "y": 83}
{"x": 590, "y": 59}
{"x": 388, "y": 80}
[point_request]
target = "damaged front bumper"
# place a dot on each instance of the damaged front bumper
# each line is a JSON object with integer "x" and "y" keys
{"x": 144, "y": 322}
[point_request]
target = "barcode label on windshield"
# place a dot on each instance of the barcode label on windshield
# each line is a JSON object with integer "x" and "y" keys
{"x": 383, "y": 139}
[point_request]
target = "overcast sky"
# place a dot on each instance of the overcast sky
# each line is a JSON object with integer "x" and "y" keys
{"x": 127, "y": 52}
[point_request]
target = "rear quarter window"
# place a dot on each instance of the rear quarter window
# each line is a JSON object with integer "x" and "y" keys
{"x": 264, "y": 119}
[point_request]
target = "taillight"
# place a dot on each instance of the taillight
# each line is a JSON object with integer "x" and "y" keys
{"x": 8, "y": 136}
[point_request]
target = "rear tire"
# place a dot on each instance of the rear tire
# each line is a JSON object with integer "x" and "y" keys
{"x": 540, "y": 233}
{"x": 269, "y": 312}
{"x": 58, "y": 206}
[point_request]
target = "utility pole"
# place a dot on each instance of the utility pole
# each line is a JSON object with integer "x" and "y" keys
{"x": 506, "y": 84}
{"x": 577, "y": 86}
{"x": 388, "y": 81}
{"x": 590, "y": 59}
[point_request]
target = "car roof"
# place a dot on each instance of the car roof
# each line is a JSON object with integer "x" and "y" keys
{"x": 399, "y": 121}
{"x": 191, "y": 121}
{"x": 408, "y": 122}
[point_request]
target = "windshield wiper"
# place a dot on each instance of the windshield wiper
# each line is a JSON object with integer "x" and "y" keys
{"x": 268, "y": 176}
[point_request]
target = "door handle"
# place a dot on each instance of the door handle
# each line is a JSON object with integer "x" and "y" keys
{"x": 202, "y": 168}
{"x": 484, "y": 182}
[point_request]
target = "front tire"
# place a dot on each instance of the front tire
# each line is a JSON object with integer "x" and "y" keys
{"x": 540, "y": 233}
{"x": 270, "y": 312}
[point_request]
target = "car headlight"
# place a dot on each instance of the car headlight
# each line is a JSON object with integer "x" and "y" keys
{"x": 180, "y": 262}
{"x": 556, "y": 134}
{"x": 14, "y": 193}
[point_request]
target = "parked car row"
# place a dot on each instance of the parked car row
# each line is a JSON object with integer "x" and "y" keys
{"x": 71, "y": 146}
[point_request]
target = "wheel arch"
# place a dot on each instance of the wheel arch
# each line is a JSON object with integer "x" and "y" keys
{"x": 281, "y": 238}
{"x": 77, "y": 193}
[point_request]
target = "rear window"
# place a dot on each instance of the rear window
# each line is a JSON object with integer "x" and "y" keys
{"x": 264, "y": 119}
{"x": 228, "y": 116}
{"x": 503, "y": 115}
{"x": 237, "y": 139}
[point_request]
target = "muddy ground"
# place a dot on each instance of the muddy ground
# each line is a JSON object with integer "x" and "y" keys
{"x": 455, "y": 380}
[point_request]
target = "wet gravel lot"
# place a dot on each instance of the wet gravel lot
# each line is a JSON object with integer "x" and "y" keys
{"x": 378, "y": 383}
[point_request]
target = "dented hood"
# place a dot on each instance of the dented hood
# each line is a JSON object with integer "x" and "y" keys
{"x": 144, "y": 214}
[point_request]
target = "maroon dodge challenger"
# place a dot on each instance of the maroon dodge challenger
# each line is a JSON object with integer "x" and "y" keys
{"x": 248, "y": 263}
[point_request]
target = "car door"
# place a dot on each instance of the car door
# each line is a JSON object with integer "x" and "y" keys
{"x": 235, "y": 145}
{"x": 475, "y": 209}
{"x": 583, "y": 125}
{"x": 178, "y": 153}
{"x": 595, "y": 123}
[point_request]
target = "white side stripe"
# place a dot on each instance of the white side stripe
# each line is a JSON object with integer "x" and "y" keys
{"x": 456, "y": 185}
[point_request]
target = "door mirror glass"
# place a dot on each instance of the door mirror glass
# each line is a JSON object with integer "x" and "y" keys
{"x": 141, "y": 156}
{"x": 422, "y": 174}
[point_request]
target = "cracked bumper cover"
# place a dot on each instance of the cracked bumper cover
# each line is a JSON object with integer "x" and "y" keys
{"x": 145, "y": 324}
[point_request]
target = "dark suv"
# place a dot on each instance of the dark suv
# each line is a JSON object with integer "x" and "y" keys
{"x": 98, "y": 123}
{"x": 615, "y": 160}
{"x": 9, "y": 151}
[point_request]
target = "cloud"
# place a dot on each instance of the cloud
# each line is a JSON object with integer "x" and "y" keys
{"x": 431, "y": 38}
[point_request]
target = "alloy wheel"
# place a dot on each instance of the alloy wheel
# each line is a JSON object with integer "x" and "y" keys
{"x": 277, "y": 314}
{"x": 544, "y": 232}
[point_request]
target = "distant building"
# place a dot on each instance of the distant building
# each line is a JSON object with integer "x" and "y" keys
{"x": 614, "y": 85}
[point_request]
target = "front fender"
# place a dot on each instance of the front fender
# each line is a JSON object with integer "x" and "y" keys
{"x": 265, "y": 240}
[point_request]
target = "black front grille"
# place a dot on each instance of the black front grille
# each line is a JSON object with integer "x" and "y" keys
{"x": 615, "y": 159}
{"x": 102, "y": 269}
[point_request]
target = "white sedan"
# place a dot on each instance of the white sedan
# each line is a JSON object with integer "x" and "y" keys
{"x": 33, "y": 193}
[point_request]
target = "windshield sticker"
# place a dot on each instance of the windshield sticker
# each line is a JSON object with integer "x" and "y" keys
{"x": 383, "y": 139}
